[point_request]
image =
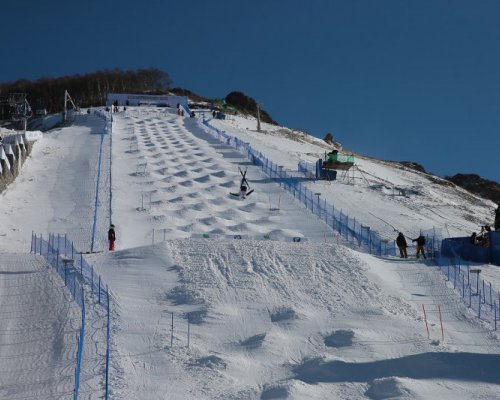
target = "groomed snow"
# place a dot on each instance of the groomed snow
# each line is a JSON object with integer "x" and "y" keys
{"x": 268, "y": 319}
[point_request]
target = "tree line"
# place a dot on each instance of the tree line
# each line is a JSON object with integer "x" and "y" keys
{"x": 87, "y": 90}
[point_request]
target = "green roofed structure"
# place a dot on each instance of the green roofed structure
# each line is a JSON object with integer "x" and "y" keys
{"x": 334, "y": 160}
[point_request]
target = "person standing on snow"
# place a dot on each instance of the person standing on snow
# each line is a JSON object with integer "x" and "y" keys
{"x": 420, "y": 245}
{"x": 111, "y": 237}
{"x": 402, "y": 245}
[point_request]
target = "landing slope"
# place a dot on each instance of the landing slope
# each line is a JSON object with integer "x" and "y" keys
{"x": 301, "y": 320}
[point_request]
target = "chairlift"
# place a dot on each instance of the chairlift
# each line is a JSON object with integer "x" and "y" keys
{"x": 21, "y": 111}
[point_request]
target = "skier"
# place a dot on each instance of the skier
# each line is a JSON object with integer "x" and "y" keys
{"x": 244, "y": 185}
{"x": 420, "y": 245}
{"x": 401, "y": 242}
{"x": 111, "y": 237}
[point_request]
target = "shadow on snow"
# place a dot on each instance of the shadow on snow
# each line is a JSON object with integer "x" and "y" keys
{"x": 455, "y": 366}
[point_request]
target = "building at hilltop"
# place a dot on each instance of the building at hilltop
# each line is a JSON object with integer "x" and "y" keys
{"x": 128, "y": 99}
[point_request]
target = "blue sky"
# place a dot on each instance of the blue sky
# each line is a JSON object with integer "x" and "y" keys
{"x": 393, "y": 79}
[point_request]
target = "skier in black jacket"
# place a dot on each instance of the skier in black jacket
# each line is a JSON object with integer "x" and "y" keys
{"x": 402, "y": 245}
{"x": 420, "y": 245}
{"x": 111, "y": 237}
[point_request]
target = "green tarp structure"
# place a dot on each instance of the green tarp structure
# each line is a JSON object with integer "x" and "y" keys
{"x": 341, "y": 158}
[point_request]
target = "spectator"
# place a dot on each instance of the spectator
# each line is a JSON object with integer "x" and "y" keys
{"x": 111, "y": 237}
{"x": 484, "y": 238}
{"x": 402, "y": 245}
{"x": 420, "y": 245}
{"x": 473, "y": 238}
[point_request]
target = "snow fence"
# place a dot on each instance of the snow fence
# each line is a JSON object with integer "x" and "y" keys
{"x": 478, "y": 294}
{"x": 80, "y": 278}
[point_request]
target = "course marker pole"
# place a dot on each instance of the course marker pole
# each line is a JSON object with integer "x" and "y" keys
{"x": 441, "y": 322}
{"x": 426, "y": 325}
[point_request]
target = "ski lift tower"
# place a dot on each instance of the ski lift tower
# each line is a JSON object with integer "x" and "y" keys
{"x": 67, "y": 99}
{"x": 21, "y": 109}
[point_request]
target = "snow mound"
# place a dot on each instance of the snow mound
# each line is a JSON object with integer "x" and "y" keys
{"x": 197, "y": 317}
{"x": 254, "y": 341}
{"x": 212, "y": 362}
{"x": 340, "y": 338}
{"x": 283, "y": 314}
{"x": 182, "y": 295}
{"x": 275, "y": 392}
{"x": 386, "y": 388}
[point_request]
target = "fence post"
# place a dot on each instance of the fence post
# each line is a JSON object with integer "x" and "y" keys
{"x": 106, "y": 394}
{"x": 172, "y": 331}
{"x": 495, "y": 315}
{"x": 75, "y": 389}
{"x": 491, "y": 300}
{"x": 41, "y": 238}
{"x": 484, "y": 296}
{"x": 479, "y": 305}
{"x": 31, "y": 248}
{"x": 347, "y": 229}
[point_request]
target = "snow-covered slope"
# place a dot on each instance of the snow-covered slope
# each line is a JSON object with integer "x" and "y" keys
{"x": 252, "y": 318}
{"x": 428, "y": 201}
{"x": 38, "y": 332}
